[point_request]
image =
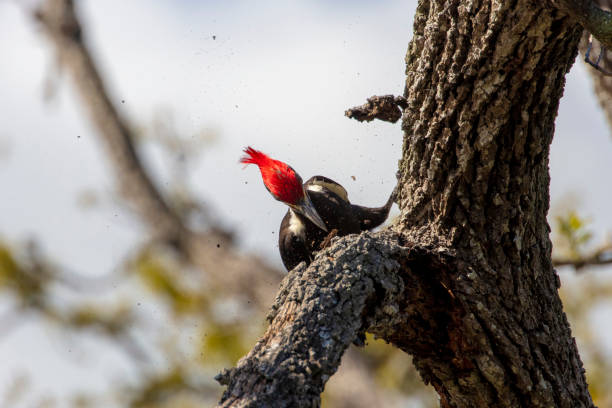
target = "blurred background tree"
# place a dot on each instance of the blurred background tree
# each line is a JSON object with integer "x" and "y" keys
{"x": 188, "y": 296}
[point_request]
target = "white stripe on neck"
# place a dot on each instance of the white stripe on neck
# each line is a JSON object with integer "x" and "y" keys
{"x": 296, "y": 226}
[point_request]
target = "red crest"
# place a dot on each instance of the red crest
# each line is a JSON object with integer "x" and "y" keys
{"x": 278, "y": 177}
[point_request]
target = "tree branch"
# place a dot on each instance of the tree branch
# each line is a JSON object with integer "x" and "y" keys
{"x": 354, "y": 285}
{"x": 602, "y": 256}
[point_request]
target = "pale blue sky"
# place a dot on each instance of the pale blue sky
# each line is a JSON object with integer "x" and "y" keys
{"x": 278, "y": 76}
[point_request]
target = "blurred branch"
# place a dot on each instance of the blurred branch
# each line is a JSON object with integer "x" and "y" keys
{"x": 157, "y": 389}
{"x": 602, "y": 256}
{"x": 211, "y": 251}
{"x": 114, "y": 324}
{"x": 572, "y": 240}
{"x": 29, "y": 280}
{"x": 64, "y": 30}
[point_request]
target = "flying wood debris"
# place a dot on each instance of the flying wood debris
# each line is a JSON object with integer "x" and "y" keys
{"x": 386, "y": 107}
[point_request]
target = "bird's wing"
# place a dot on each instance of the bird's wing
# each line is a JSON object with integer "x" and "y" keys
{"x": 331, "y": 202}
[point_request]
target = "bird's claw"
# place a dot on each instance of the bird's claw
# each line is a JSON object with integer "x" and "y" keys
{"x": 328, "y": 239}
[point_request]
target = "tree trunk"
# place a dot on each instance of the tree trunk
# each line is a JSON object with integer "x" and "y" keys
{"x": 465, "y": 284}
{"x": 483, "y": 87}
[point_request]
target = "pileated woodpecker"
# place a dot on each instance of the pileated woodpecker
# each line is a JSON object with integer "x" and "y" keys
{"x": 316, "y": 208}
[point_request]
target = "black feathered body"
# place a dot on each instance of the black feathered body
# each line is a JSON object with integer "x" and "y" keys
{"x": 300, "y": 239}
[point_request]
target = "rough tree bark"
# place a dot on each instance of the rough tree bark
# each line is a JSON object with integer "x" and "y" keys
{"x": 464, "y": 281}
{"x": 483, "y": 91}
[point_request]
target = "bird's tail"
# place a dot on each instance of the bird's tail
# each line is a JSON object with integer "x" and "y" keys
{"x": 373, "y": 217}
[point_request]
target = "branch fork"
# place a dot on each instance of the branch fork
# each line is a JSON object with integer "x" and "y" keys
{"x": 358, "y": 283}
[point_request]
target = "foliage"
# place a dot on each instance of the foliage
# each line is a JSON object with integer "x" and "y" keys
{"x": 580, "y": 299}
{"x": 573, "y": 234}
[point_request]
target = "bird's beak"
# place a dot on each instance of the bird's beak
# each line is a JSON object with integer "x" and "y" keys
{"x": 306, "y": 208}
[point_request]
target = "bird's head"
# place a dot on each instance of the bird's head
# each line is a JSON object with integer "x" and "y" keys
{"x": 284, "y": 184}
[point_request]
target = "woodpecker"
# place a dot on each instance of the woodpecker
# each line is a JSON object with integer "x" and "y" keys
{"x": 317, "y": 208}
